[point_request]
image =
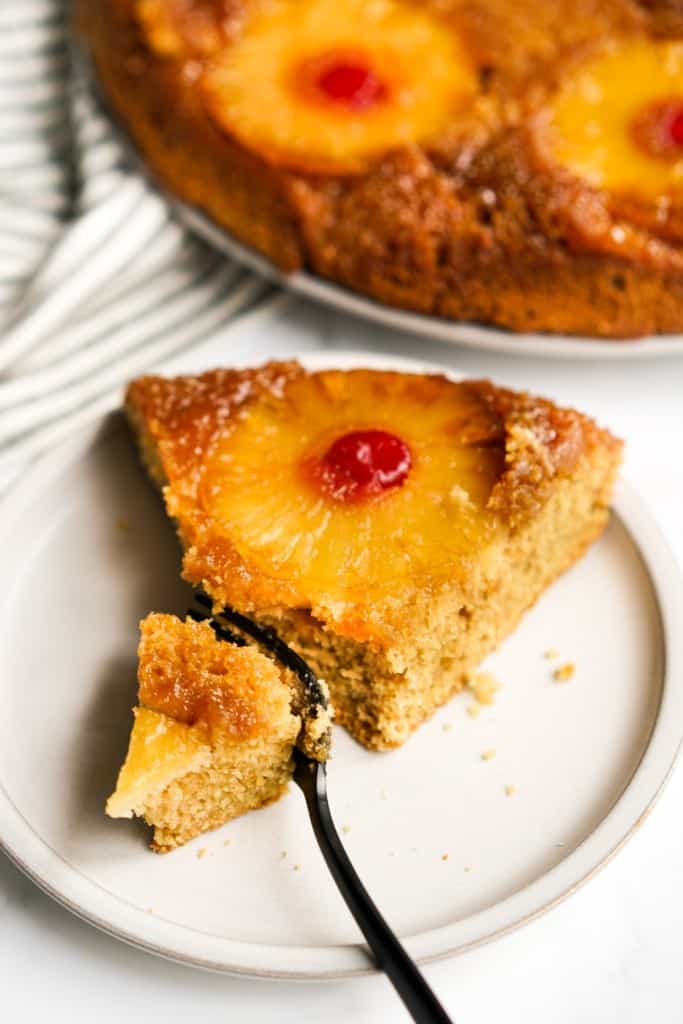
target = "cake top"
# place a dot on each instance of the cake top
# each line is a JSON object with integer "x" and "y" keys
{"x": 331, "y": 86}
{"x": 186, "y": 673}
{"x": 349, "y": 494}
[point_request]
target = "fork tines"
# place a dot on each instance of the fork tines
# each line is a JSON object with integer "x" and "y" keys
{"x": 264, "y": 635}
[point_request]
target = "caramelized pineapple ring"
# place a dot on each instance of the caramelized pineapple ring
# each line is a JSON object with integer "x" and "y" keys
{"x": 610, "y": 121}
{"x": 327, "y": 84}
{"x": 260, "y": 490}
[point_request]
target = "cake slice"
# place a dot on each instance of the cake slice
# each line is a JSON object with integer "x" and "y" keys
{"x": 392, "y": 527}
{"x": 213, "y": 734}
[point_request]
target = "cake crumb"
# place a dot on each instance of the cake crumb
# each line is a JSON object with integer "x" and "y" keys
{"x": 201, "y": 852}
{"x": 283, "y": 855}
{"x": 510, "y": 789}
{"x": 444, "y": 856}
{"x": 474, "y": 709}
{"x": 383, "y": 795}
{"x": 488, "y": 755}
{"x": 346, "y": 829}
{"x": 447, "y": 726}
{"x": 552, "y": 652}
{"x": 483, "y": 686}
{"x": 564, "y": 672}
{"x": 226, "y": 842}
{"x": 297, "y": 867}
{"x": 468, "y": 868}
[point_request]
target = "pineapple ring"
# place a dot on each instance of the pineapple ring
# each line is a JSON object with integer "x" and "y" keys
{"x": 280, "y": 522}
{"x": 254, "y": 92}
{"x": 590, "y": 127}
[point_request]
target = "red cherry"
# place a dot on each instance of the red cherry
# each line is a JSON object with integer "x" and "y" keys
{"x": 353, "y": 84}
{"x": 658, "y": 128}
{"x": 676, "y": 126}
{"x": 363, "y": 464}
{"x": 344, "y": 79}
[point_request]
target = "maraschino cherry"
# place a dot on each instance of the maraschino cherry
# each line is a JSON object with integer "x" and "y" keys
{"x": 343, "y": 80}
{"x": 658, "y": 128}
{"x": 363, "y": 464}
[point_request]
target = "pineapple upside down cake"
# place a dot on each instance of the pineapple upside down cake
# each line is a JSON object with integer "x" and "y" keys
{"x": 391, "y": 527}
{"x": 513, "y": 163}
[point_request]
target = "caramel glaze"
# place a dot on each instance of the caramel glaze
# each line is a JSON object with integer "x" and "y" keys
{"x": 189, "y": 675}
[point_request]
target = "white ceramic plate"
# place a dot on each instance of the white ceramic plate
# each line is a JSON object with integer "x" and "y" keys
{"x": 478, "y": 336}
{"x": 450, "y": 859}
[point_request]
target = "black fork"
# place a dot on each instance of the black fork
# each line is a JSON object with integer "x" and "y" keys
{"x": 311, "y": 777}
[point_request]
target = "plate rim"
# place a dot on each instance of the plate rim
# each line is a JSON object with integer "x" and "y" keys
{"x": 92, "y": 903}
{"x": 477, "y": 336}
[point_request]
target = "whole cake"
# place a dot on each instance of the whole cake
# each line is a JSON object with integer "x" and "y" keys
{"x": 392, "y": 527}
{"x": 513, "y": 163}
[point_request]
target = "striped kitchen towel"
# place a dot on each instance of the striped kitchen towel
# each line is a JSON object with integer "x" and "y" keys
{"x": 98, "y": 281}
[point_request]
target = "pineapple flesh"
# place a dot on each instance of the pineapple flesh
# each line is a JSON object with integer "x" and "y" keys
{"x": 606, "y": 121}
{"x": 262, "y": 489}
{"x": 325, "y": 85}
{"x": 161, "y": 750}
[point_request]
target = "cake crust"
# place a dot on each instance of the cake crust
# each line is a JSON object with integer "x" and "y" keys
{"x": 476, "y": 222}
{"x": 189, "y": 675}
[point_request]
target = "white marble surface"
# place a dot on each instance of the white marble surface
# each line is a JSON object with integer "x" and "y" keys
{"x": 611, "y": 953}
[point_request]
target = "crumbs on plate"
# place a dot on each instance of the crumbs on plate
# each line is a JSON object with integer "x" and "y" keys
{"x": 483, "y": 686}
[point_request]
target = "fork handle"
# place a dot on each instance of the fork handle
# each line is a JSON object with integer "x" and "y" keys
{"x": 390, "y": 955}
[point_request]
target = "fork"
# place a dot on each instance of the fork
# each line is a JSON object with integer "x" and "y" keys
{"x": 311, "y": 777}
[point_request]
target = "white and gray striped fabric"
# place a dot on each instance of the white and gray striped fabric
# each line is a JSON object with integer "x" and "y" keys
{"x": 98, "y": 281}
